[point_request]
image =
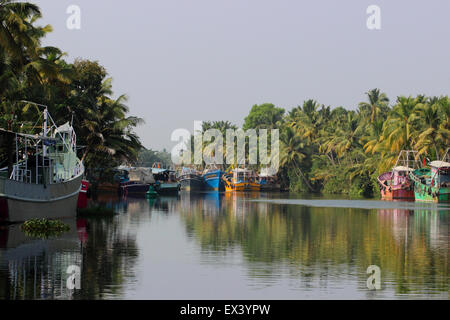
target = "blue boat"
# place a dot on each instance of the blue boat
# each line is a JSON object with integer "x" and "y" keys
{"x": 213, "y": 180}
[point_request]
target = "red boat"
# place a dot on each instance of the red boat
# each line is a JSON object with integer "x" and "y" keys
{"x": 395, "y": 184}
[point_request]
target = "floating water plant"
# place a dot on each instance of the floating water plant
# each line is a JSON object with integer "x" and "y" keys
{"x": 44, "y": 228}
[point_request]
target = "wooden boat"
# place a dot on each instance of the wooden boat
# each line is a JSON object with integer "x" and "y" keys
{"x": 138, "y": 181}
{"x": 433, "y": 184}
{"x": 212, "y": 179}
{"x": 45, "y": 179}
{"x": 396, "y": 184}
{"x": 268, "y": 182}
{"x": 190, "y": 180}
{"x": 165, "y": 180}
{"x": 241, "y": 180}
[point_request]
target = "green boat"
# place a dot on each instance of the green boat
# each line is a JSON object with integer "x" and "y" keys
{"x": 151, "y": 193}
{"x": 166, "y": 182}
{"x": 432, "y": 184}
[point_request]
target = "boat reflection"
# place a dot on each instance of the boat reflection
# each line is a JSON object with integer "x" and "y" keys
{"x": 36, "y": 268}
{"x": 298, "y": 239}
{"x": 104, "y": 249}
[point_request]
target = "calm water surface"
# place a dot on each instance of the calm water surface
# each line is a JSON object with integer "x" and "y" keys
{"x": 210, "y": 246}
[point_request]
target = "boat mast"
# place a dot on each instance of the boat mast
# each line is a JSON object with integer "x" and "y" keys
{"x": 44, "y": 148}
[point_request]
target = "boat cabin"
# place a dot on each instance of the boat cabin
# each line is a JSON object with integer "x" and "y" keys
{"x": 440, "y": 174}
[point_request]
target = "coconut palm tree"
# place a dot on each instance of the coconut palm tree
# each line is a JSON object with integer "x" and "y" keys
{"x": 399, "y": 131}
{"x": 378, "y": 104}
{"x": 110, "y": 133}
{"x": 429, "y": 127}
{"x": 292, "y": 153}
{"x": 16, "y": 22}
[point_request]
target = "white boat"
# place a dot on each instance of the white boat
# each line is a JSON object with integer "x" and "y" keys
{"x": 45, "y": 178}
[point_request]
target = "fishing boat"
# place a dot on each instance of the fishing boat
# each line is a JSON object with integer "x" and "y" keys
{"x": 433, "y": 184}
{"x": 44, "y": 180}
{"x": 165, "y": 180}
{"x": 212, "y": 179}
{"x": 241, "y": 180}
{"x": 267, "y": 181}
{"x": 396, "y": 184}
{"x": 190, "y": 180}
{"x": 137, "y": 183}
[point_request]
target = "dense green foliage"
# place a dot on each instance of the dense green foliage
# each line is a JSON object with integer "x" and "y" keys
{"x": 79, "y": 92}
{"x": 342, "y": 151}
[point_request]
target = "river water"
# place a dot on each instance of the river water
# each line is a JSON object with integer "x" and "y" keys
{"x": 235, "y": 246}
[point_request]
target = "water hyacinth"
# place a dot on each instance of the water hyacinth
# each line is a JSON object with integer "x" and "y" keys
{"x": 44, "y": 228}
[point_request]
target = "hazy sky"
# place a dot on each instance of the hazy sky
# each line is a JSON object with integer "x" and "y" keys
{"x": 180, "y": 61}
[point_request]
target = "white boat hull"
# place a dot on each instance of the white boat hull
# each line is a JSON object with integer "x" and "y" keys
{"x": 20, "y": 201}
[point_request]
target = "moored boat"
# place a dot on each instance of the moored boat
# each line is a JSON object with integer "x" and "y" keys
{"x": 267, "y": 181}
{"x": 190, "y": 180}
{"x": 138, "y": 181}
{"x": 396, "y": 184}
{"x": 212, "y": 179}
{"x": 241, "y": 180}
{"x": 45, "y": 179}
{"x": 166, "y": 182}
{"x": 432, "y": 184}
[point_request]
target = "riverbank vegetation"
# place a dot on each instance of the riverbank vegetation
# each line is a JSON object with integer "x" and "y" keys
{"x": 79, "y": 93}
{"x": 336, "y": 150}
{"x": 342, "y": 151}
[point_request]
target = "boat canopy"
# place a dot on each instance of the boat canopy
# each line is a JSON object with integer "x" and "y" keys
{"x": 242, "y": 170}
{"x": 142, "y": 175}
{"x": 266, "y": 172}
{"x": 402, "y": 168}
{"x": 160, "y": 170}
{"x": 66, "y": 127}
{"x": 439, "y": 164}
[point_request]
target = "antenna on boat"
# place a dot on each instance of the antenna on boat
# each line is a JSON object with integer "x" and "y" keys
{"x": 409, "y": 159}
{"x": 44, "y": 149}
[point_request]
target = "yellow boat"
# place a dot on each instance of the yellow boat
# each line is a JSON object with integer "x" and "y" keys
{"x": 241, "y": 180}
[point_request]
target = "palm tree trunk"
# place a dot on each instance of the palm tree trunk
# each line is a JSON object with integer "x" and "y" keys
{"x": 303, "y": 176}
{"x": 436, "y": 150}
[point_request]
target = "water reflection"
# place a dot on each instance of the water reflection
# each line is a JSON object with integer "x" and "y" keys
{"x": 315, "y": 243}
{"x": 235, "y": 246}
{"x": 36, "y": 269}
{"x": 104, "y": 250}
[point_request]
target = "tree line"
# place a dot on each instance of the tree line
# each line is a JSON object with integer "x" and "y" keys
{"x": 337, "y": 150}
{"x": 343, "y": 151}
{"x": 79, "y": 92}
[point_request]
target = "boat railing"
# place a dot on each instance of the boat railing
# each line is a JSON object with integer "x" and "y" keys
{"x": 20, "y": 174}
